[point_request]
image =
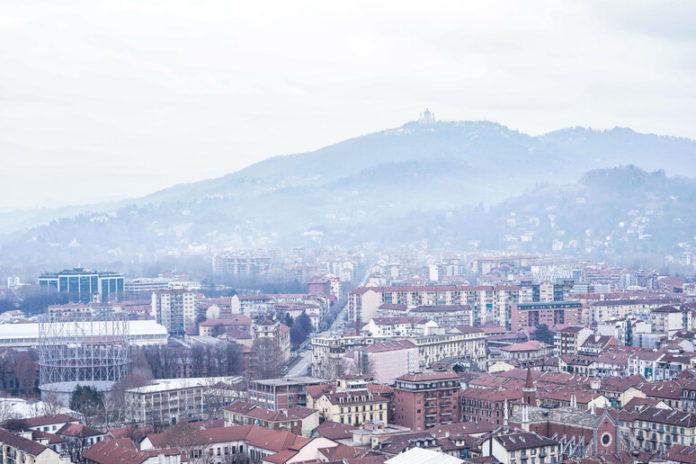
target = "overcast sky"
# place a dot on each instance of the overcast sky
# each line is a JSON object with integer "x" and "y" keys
{"x": 103, "y": 100}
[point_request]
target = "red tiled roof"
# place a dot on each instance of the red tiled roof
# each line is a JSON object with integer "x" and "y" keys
{"x": 393, "y": 345}
{"x": 335, "y": 430}
{"x": 117, "y": 451}
{"x": 49, "y": 419}
{"x": 682, "y": 453}
{"x": 531, "y": 345}
{"x": 468, "y": 329}
{"x": 21, "y": 443}
{"x": 316, "y": 390}
{"x": 78, "y": 430}
{"x": 257, "y": 412}
{"x": 483, "y": 394}
{"x": 280, "y": 457}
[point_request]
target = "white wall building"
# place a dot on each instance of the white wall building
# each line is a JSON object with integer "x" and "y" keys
{"x": 175, "y": 309}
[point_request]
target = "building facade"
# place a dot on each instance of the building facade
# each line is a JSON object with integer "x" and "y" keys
{"x": 555, "y": 313}
{"x": 170, "y": 401}
{"x": 175, "y": 309}
{"x": 282, "y": 393}
{"x": 424, "y": 400}
{"x": 83, "y": 284}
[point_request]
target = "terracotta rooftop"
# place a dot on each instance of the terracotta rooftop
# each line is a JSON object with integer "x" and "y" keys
{"x": 393, "y": 345}
{"x": 49, "y": 419}
{"x": 335, "y": 430}
{"x": 21, "y": 443}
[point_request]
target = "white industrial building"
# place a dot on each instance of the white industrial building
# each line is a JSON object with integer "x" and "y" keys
{"x": 26, "y": 335}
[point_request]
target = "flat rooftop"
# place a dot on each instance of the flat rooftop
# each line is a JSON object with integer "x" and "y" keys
{"x": 305, "y": 380}
{"x": 161, "y": 385}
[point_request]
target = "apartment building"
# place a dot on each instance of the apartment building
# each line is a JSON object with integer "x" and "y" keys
{"x": 282, "y": 393}
{"x": 461, "y": 342}
{"x": 426, "y": 399}
{"x": 656, "y": 429}
{"x": 488, "y": 304}
{"x": 607, "y": 310}
{"x": 446, "y": 316}
{"x": 669, "y": 320}
{"x": 514, "y": 446}
{"x": 232, "y": 322}
{"x": 355, "y": 407}
{"x": 531, "y": 315}
{"x": 385, "y": 361}
{"x": 568, "y": 340}
{"x": 328, "y": 353}
{"x": 169, "y": 401}
{"x": 252, "y": 305}
{"x": 400, "y": 326}
{"x": 175, "y": 309}
{"x": 298, "y": 420}
{"x": 241, "y": 264}
{"x": 483, "y": 405}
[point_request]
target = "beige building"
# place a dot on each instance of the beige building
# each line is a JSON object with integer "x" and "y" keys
{"x": 607, "y": 310}
{"x": 20, "y": 450}
{"x": 252, "y": 305}
{"x": 270, "y": 327}
{"x": 488, "y": 304}
{"x": 520, "y": 447}
{"x": 656, "y": 429}
{"x": 460, "y": 342}
{"x": 354, "y": 407}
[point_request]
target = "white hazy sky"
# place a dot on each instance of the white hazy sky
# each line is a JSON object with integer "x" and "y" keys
{"x": 103, "y": 100}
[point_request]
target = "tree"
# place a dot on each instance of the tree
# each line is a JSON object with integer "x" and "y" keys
{"x": 15, "y": 425}
{"x": 25, "y": 371}
{"x": 301, "y": 328}
{"x": 543, "y": 334}
{"x": 51, "y": 405}
{"x": 287, "y": 320}
{"x": 266, "y": 361}
{"x": 234, "y": 364}
{"x": 182, "y": 435}
{"x": 88, "y": 401}
{"x": 217, "y": 330}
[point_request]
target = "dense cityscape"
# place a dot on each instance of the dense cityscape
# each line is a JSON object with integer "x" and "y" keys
{"x": 330, "y": 356}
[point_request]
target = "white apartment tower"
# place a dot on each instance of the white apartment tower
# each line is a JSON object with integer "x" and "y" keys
{"x": 175, "y": 309}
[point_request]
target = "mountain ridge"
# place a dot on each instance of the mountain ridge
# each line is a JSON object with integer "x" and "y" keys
{"x": 391, "y": 177}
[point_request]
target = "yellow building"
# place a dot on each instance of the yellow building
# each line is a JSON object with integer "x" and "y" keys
{"x": 354, "y": 408}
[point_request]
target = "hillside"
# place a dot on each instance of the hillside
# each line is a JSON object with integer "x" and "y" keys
{"x": 448, "y": 184}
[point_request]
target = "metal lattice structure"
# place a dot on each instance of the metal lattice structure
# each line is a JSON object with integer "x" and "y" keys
{"x": 88, "y": 349}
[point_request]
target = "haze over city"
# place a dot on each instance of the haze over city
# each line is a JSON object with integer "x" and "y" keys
{"x": 347, "y": 233}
